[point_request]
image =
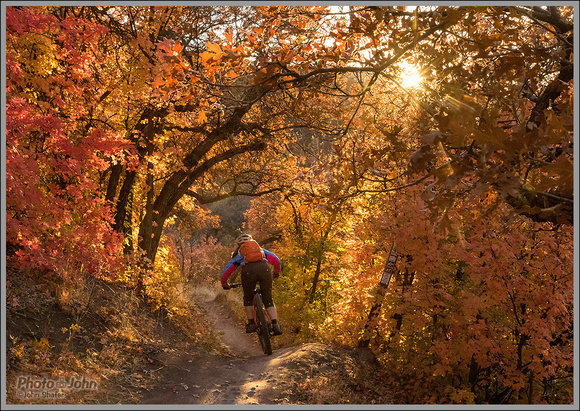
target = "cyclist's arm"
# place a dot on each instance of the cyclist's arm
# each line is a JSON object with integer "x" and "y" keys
{"x": 274, "y": 260}
{"x": 229, "y": 269}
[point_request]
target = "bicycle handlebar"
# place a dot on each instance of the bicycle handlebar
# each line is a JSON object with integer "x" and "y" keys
{"x": 236, "y": 285}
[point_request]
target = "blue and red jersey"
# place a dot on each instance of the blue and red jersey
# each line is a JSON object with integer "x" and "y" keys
{"x": 239, "y": 260}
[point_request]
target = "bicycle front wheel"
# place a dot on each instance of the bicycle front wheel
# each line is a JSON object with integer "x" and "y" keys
{"x": 263, "y": 331}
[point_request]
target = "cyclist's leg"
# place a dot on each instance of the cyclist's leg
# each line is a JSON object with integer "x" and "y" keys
{"x": 248, "y": 284}
{"x": 265, "y": 280}
{"x": 272, "y": 312}
{"x": 249, "y": 309}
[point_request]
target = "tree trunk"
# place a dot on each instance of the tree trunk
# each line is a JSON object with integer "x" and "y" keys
{"x": 151, "y": 227}
{"x": 320, "y": 256}
{"x": 113, "y": 182}
{"x": 316, "y": 277}
{"x": 373, "y": 313}
{"x": 379, "y": 297}
{"x": 122, "y": 207}
{"x": 128, "y": 225}
{"x": 159, "y": 208}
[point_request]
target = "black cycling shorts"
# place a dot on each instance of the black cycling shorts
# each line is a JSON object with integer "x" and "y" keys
{"x": 257, "y": 272}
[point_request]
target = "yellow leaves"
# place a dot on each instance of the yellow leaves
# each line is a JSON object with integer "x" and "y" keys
{"x": 559, "y": 127}
{"x": 562, "y": 167}
{"x": 494, "y": 137}
{"x": 206, "y": 57}
{"x": 266, "y": 76}
{"x": 34, "y": 347}
{"x": 172, "y": 69}
{"x": 165, "y": 45}
{"x": 41, "y": 345}
{"x": 37, "y": 52}
{"x": 17, "y": 348}
{"x": 462, "y": 397}
{"x": 171, "y": 82}
{"x": 169, "y": 47}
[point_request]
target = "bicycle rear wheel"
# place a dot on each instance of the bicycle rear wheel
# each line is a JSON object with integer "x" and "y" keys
{"x": 263, "y": 332}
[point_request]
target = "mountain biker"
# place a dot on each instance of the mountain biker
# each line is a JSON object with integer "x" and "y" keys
{"x": 252, "y": 273}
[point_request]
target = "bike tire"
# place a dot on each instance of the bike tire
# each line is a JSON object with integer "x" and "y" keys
{"x": 263, "y": 332}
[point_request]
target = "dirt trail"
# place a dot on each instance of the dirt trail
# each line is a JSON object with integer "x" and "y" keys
{"x": 226, "y": 325}
{"x": 244, "y": 374}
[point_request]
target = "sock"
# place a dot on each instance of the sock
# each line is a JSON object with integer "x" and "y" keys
{"x": 274, "y": 321}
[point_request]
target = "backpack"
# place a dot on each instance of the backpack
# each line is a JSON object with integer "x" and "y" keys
{"x": 251, "y": 251}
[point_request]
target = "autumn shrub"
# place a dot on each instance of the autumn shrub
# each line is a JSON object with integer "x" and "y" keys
{"x": 467, "y": 318}
{"x": 311, "y": 255}
{"x": 208, "y": 257}
{"x": 160, "y": 283}
{"x": 189, "y": 235}
{"x": 478, "y": 311}
{"x": 56, "y": 219}
{"x": 481, "y": 314}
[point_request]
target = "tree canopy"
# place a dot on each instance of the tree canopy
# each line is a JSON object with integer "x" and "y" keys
{"x": 122, "y": 120}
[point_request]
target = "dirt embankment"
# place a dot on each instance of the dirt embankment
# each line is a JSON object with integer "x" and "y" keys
{"x": 239, "y": 373}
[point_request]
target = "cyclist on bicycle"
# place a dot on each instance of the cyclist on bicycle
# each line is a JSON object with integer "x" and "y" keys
{"x": 252, "y": 273}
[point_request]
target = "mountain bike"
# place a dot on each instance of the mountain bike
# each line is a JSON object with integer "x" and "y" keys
{"x": 262, "y": 320}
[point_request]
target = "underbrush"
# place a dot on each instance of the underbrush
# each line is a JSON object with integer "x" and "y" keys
{"x": 90, "y": 342}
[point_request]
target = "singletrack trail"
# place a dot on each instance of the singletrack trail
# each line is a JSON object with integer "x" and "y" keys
{"x": 226, "y": 324}
{"x": 239, "y": 373}
{"x": 243, "y": 375}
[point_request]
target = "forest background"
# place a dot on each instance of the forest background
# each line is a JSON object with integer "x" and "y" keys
{"x": 140, "y": 141}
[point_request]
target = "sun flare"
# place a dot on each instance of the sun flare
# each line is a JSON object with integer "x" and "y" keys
{"x": 412, "y": 80}
{"x": 410, "y": 77}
